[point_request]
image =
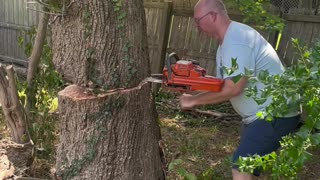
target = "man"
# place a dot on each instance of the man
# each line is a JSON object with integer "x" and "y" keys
{"x": 252, "y": 51}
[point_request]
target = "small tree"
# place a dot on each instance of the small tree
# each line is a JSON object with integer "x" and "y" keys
{"x": 300, "y": 83}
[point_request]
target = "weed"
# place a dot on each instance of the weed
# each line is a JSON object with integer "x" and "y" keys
{"x": 47, "y": 83}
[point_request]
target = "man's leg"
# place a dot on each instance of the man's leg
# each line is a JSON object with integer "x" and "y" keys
{"x": 256, "y": 138}
{"x": 261, "y": 137}
{"x": 242, "y": 176}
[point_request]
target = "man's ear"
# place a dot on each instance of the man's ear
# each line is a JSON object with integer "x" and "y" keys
{"x": 214, "y": 16}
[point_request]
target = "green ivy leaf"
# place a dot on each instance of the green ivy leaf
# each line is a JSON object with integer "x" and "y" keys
{"x": 315, "y": 139}
{"x": 174, "y": 163}
{"x": 260, "y": 115}
{"x": 188, "y": 176}
{"x": 263, "y": 75}
{"x": 237, "y": 78}
{"x": 317, "y": 125}
{"x": 303, "y": 132}
{"x": 261, "y": 100}
{"x": 234, "y": 64}
{"x": 248, "y": 72}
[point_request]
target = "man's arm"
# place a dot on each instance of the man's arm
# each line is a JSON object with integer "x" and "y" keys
{"x": 229, "y": 90}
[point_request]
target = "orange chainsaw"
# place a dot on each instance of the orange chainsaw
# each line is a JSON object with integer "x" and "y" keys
{"x": 185, "y": 75}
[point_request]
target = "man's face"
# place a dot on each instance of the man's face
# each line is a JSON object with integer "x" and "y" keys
{"x": 205, "y": 22}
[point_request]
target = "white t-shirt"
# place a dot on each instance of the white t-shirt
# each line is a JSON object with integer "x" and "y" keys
{"x": 253, "y": 52}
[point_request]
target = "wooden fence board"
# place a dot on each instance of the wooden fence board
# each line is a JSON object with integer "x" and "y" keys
{"x": 2, "y": 11}
{"x": 304, "y": 27}
{"x": 157, "y": 23}
{"x": 303, "y": 18}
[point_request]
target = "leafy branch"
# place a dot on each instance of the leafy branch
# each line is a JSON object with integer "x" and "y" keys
{"x": 300, "y": 83}
{"x": 255, "y": 12}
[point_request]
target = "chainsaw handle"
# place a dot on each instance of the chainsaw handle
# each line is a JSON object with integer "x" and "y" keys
{"x": 173, "y": 56}
{"x": 170, "y": 57}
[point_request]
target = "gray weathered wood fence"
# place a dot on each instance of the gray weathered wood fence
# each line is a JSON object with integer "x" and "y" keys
{"x": 15, "y": 18}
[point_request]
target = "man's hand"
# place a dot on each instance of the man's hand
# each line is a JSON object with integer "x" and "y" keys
{"x": 186, "y": 102}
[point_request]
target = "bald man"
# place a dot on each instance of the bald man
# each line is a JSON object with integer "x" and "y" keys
{"x": 252, "y": 51}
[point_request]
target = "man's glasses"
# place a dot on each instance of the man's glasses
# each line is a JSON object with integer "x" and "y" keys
{"x": 197, "y": 20}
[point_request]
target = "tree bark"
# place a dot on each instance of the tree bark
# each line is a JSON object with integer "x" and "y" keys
{"x": 112, "y": 133}
{"x": 92, "y": 44}
{"x": 109, "y": 136}
{"x": 11, "y": 106}
{"x": 34, "y": 59}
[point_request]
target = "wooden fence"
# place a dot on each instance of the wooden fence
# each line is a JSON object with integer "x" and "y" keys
{"x": 304, "y": 27}
{"x": 169, "y": 28}
{"x": 14, "y": 18}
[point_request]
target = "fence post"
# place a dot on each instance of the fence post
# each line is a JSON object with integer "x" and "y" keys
{"x": 167, "y": 24}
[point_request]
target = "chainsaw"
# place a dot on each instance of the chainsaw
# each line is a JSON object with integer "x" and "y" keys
{"x": 185, "y": 75}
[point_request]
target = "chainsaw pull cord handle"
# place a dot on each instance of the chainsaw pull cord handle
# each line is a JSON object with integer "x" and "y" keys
{"x": 170, "y": 61}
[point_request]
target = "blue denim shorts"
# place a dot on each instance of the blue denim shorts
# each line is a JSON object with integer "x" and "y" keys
{"x": 261, "y": 137}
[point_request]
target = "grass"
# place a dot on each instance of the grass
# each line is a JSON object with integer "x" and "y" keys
{"x": 203, "y": 146}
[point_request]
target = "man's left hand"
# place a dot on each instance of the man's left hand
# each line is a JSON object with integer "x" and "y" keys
{"x": 186, "y": 102}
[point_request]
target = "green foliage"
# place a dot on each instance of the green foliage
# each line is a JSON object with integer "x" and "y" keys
{"x": 53, "y": 6}
{"x": 176, "y": 165}
{"x": 47, "y": 83}
{"x": 255, "y": 13}
{"x": 301, "y": 85}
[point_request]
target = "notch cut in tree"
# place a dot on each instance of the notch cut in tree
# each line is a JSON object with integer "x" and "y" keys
{"x": 113, "y": 133}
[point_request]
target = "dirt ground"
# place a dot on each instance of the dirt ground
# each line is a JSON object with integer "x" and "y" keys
{"x": 196, "y": 143}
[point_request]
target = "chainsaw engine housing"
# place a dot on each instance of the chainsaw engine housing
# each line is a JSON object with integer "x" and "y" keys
{"x": 188, "y": 75}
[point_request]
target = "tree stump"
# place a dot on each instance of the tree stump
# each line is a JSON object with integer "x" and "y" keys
{"x": 108, "y": 136}
{"x": 12, "y": 108}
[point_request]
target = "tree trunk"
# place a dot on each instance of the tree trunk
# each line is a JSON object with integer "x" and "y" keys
{"x": 11, "y": 106}
{"x": 102, "y": 43}
{"x": 101, "y": 46}
{"x": 110, "y": 136}
{"x": 34, "y": 59}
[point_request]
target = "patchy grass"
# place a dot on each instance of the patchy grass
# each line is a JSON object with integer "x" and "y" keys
{"x": 202, "y": 146}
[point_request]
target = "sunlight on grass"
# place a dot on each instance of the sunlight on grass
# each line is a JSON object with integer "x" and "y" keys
{"x": 203, "y": 147}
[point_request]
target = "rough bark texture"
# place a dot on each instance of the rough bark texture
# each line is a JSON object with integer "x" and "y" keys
{"x": 114, "y": 135}
{"x": 11, "y": 106}
{"x": 109, "y": 136}
{"x": 35, "y": 58}
{"x": 99, "y": 42}
{"x": 14, "y": 158}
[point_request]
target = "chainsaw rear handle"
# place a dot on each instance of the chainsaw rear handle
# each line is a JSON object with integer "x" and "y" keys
{"x": 172, "y": 58}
